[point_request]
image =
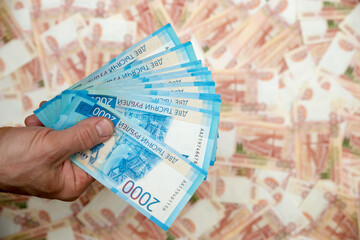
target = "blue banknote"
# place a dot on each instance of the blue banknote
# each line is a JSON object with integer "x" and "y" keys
{"x": 193, "y": 66}
{"x": 166, "y": 112}
{"x": 146, "y": 173}
{"x": 166, "y": 121}
{"x": 162, "y": 39}
{"x": 173, "y": 77}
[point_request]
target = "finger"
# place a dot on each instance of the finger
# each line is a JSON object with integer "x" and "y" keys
{"x": 76, "y": 181}
{"x": 42, "y": 103}
{"x": 83, "y": 136}
{"x": 83, "y": 179}
{"x": 32, "y": 120}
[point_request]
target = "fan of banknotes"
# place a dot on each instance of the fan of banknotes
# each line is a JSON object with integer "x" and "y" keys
{"x": 166, "y": 115}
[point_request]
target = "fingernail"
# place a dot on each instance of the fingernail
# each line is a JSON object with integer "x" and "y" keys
{"x": 104, "y": 128}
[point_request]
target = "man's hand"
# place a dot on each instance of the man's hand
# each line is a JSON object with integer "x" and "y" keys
{"x": 34, "y": 160}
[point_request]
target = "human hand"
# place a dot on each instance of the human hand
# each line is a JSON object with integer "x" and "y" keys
{"x": 34, "y": 160}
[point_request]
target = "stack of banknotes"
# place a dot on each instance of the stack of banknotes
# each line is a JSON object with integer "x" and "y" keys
{"x": 166, "y": 115}
{"x": 288, "y": 152}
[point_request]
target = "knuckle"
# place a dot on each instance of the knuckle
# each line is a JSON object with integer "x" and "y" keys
{"x": 52, "y": 148}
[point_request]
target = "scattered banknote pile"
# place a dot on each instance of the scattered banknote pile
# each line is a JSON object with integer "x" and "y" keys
{"x": 288, "y": 153}
{"x": 166, "y": 117}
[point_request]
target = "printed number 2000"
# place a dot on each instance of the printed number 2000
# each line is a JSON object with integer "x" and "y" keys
{"x": 101, "y": 113}
{"x": 137, "y": 193}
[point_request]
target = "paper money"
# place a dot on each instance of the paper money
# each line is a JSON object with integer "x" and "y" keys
{"x": 161, "y": 40}
{"x": 146, "y": 136}
{"x": 88, "y": 9}
{"x": 287, "y": 157}
{"x": 10, "y": 28}
{"x": 167, "y": 119}
{"x": 67, "y": 48}
{"x": 10, "y": 55}
{"x": 104, "y": 36}
{"x": 272, "y": 57}
{"x": 52, "y": 230}
{"x": 331, "y": 207}
{"x": 308, "y": 9}
{"x": 344, "y": 48}
{"x": 214, "y": 29}
{"x": 263, "y": 146}
{"x": 225, "y": 182}
{"x": 21, "y": 12}
{"x": 203, "y": 11}
{"x": 149, "y": 15}
{"x": 198, "y": 227}
{"x": 348, "y": 25}
{"x": 118, "y": 179}
{"x": 319, "y": 30}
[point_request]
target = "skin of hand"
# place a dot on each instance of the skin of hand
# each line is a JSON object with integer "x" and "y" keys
{"x": 34, "y": 160}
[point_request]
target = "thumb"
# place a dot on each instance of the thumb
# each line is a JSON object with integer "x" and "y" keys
{"x": 83, "y": 136}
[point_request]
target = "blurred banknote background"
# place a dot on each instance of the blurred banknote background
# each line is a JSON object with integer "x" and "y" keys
{"x": 288, "y": 71}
